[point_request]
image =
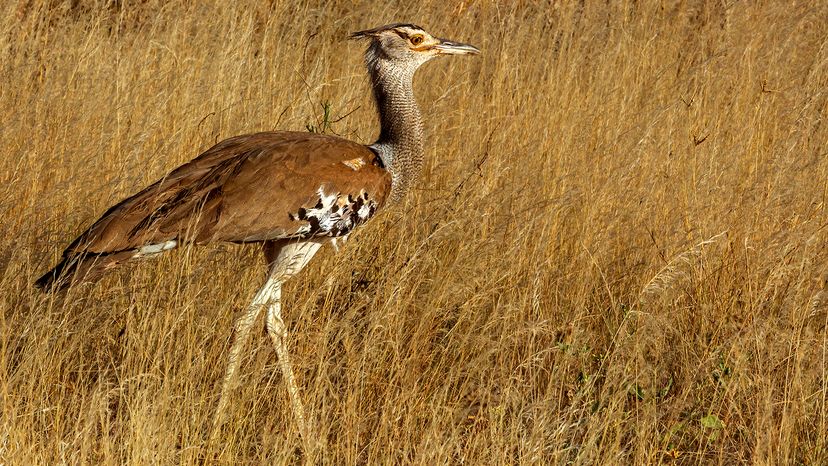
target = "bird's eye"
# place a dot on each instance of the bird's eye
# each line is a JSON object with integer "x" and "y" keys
{"x": 416, "y": 40}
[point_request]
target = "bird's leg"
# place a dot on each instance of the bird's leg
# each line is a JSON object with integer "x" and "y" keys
{"x": 243, "y": 326}
{"x": 278, "y": 333}
{"x": 285, "y": 261}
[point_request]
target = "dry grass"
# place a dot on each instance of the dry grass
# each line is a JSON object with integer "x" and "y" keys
{"x": 557, "y": 291}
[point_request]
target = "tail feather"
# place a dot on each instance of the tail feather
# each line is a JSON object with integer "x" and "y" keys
{"x": 81, "y": 268}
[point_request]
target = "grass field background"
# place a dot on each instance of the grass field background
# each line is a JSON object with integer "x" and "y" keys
{"x": 618, "y": 252}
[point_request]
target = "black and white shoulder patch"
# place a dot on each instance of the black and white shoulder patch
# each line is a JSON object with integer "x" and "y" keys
{"x": 334, "y": 214}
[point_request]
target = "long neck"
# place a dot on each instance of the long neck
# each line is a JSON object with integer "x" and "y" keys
{"x": 400, "y": 142}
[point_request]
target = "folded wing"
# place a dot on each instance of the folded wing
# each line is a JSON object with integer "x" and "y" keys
{"x": 257, "y": 187}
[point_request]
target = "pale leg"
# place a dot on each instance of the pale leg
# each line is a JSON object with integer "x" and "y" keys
{"x": 243, "y": 326}
{"x": 278, "y": 333}
{"x": 285, "y": 260}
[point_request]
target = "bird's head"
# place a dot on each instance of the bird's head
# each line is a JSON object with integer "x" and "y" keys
{"x": 407, "y": 45}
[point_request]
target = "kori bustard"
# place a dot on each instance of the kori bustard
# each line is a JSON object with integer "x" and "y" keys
{"x": 290, "y": 191}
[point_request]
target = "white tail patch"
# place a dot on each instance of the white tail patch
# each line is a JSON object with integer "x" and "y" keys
{"x": 152, "y": 249}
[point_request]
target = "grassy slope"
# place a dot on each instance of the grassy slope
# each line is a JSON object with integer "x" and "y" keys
{"x": 621, "y": 231}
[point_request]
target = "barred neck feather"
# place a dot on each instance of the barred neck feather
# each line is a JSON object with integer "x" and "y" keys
{"x": 400, "y": 143}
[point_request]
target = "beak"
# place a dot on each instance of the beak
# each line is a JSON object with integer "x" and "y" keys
{"x": 447, "y": 47}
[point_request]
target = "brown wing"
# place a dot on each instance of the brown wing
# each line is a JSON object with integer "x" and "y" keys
{"x": 255, "y": 187}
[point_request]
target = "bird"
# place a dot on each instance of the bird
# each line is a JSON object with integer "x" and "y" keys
{"x": 291, "y": 192}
